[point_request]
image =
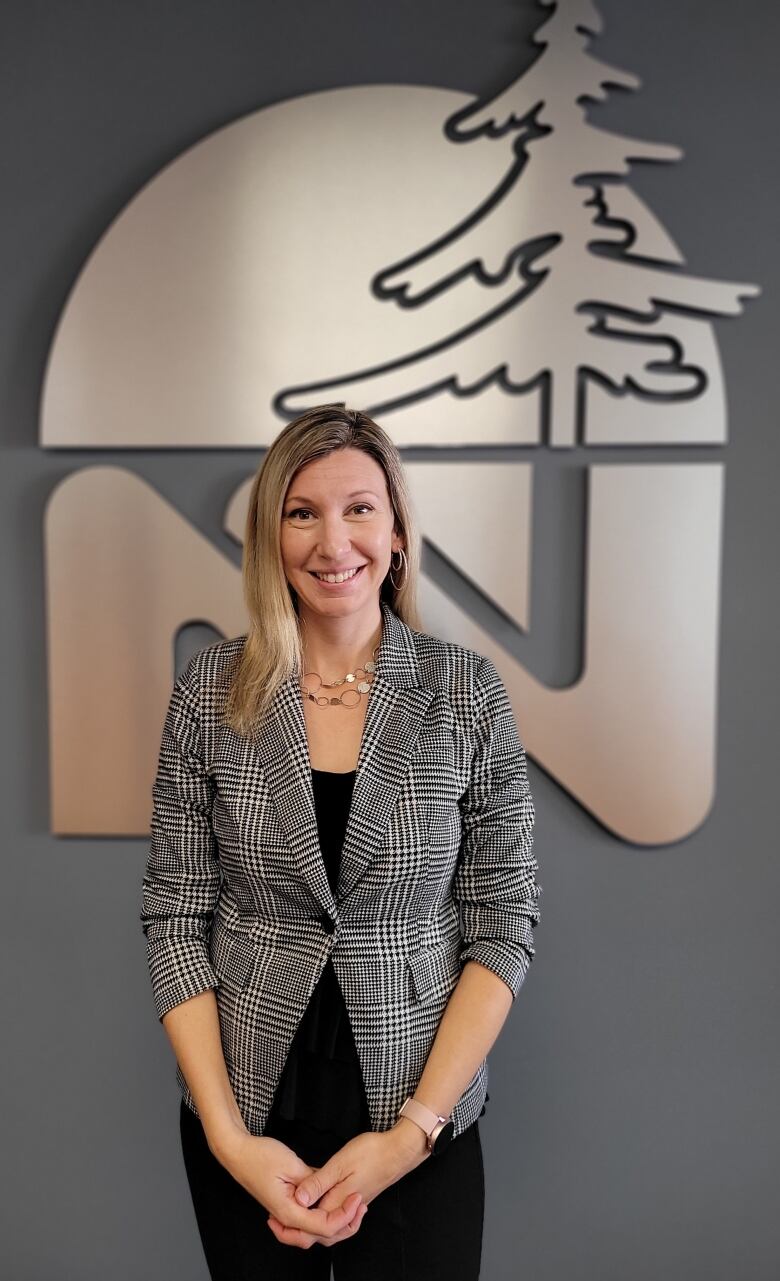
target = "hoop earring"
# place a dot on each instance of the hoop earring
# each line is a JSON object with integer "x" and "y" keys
{"x": 402, "y": 563}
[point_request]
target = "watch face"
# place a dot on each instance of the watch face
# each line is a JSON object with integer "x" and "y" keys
{"x": 443, "y": 1138}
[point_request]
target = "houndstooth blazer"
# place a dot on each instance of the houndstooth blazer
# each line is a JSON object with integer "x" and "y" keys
{"x": 436, "y": 868}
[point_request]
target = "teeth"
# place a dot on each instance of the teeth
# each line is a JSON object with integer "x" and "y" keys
{"x": 338, "y": 578}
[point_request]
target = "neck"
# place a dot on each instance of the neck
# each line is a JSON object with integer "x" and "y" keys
{"x": 333, "y": 646}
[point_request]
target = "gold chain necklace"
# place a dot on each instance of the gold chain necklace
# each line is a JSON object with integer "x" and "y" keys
{"x": 356, "y": 683}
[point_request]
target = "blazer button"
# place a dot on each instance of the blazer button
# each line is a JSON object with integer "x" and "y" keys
{"x": 327, "y": 923}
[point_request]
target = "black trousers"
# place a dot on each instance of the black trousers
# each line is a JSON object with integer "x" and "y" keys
{"x": 425, "y": 1227}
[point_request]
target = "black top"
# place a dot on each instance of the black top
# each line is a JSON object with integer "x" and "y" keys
{"x": 321, "y": 1088}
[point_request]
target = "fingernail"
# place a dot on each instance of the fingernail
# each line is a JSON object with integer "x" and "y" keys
{"x": 303, "y": 1197}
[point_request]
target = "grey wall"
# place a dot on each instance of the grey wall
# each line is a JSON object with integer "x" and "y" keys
{"x": 633, "y": 1092}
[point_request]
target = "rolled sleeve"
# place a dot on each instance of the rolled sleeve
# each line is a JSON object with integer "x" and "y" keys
{"x": 182, "y": 878}
{"x": 494, "y": 884}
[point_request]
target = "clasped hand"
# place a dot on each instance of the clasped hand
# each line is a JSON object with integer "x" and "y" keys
{"x": 338, "y": 1192}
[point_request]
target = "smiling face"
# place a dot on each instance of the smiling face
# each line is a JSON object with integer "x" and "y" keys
{"x": 338, "y": 517}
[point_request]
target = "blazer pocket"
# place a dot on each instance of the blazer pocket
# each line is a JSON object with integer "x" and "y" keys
{"x": 434, "y": 971}
{"x": 233, "y": 955}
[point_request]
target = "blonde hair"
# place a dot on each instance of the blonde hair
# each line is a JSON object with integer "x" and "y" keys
{"x": 273, "y": 650}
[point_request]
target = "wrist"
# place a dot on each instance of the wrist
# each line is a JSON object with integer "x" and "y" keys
{"x": 226, "y": 1141}
{"x": 410, "y": 1137}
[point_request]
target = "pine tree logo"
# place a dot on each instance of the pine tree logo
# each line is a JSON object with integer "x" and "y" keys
{"x": 566, "y": 290}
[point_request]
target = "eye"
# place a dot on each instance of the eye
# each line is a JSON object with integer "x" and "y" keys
{"x": 298, "y": 510}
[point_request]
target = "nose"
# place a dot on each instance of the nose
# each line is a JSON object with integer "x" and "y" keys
{"x": 334, "y": 542}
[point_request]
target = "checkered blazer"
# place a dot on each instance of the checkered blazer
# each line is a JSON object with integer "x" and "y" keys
{"x": 436, "y": 868}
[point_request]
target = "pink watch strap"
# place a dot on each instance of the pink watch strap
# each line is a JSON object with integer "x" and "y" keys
{"x": 427, "y": 1120}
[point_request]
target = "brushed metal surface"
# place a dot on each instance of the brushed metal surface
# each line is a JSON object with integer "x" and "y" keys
{"x": 474, "y": 272}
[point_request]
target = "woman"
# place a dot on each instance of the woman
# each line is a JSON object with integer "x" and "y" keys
{"x": 339, "y": 898}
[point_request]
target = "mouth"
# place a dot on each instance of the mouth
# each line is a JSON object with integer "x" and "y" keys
{"x": 337, "y": 581}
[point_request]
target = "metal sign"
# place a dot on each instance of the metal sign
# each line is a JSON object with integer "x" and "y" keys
{"x": 470, "y": 273}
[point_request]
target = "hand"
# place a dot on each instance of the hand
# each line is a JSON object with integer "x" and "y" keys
{"x": 366, "y": 1165}
{"x": 271, "y": 1172}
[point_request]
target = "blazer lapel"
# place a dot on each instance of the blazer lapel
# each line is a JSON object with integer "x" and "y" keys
{"x": 283, "y": 749}
{"x": 397, "y": 704}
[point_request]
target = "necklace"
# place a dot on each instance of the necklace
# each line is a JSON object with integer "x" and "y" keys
{"x": 356, "y": 683}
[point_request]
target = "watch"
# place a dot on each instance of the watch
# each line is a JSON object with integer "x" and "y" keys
{"x": 438, "y": 1129}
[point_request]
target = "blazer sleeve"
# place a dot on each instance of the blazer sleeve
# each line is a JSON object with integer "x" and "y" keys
{"x": 494, "y": 884}
{"x": 182, "y": 879}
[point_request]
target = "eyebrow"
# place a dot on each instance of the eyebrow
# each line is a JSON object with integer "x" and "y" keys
{"x": 297, "y": 498}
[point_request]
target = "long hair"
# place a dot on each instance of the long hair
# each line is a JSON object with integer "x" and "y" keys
{"x": 273, "y": 650}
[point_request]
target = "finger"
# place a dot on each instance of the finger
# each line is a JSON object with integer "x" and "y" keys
{"x": 304, "y": 1240}
{"x": 316, "y": 1184}
{"x": 321, "y": 1223}
{"x": 290, "y": 1236}
{"x": 337, "y": 1197}
{"x": 349, "y": 1230}
{"x": 297, "y": 1236}
{"x": 352, "y": 1227}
